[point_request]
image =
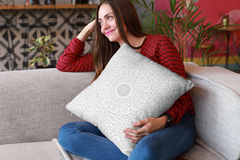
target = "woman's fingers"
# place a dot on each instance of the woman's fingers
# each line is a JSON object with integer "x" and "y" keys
{"x": 149, "y": 125}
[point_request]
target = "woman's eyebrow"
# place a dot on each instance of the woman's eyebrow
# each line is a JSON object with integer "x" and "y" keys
{"x": 106, "y": 15}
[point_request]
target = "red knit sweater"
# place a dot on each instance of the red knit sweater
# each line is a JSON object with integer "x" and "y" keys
{"x": 156, "y": 47}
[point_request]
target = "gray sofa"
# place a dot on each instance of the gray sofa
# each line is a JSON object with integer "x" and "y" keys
{"x": 32, "y": 110}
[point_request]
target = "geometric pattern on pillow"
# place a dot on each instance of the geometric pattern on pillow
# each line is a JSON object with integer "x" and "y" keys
{"x": 132, "y": 87}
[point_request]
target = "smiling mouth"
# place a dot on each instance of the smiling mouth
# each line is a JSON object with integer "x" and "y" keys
{"x": 109, "y": 32}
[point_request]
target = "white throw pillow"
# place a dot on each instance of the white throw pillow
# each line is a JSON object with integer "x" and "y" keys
{"x": 132, "y": 87}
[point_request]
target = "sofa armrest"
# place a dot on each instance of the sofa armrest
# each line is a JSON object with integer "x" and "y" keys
{"x": 216, "y": 99}
{"x": 32, "y": 103}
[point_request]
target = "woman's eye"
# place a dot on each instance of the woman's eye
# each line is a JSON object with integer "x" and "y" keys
{"x": 109, "y": 17}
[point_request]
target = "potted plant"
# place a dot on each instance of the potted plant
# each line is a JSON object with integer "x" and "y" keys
{"x": 182, "y": 25}
{"x": 45, "y": 47}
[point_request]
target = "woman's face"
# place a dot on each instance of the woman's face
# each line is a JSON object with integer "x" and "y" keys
{"x": 108, "y": 24}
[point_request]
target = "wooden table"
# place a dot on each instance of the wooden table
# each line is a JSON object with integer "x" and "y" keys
{"x": 228, "y": 31}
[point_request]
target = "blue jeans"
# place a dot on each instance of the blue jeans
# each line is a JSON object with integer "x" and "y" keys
{"x": 84, "y": 139}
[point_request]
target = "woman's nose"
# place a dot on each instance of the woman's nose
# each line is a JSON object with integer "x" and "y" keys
{"x": 105, "y": 26}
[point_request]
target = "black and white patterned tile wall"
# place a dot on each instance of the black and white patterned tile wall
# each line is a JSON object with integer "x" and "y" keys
{"x": 17, "y": 26}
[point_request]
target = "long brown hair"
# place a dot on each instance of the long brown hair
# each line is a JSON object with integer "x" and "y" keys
{"x": 125, "y": 14}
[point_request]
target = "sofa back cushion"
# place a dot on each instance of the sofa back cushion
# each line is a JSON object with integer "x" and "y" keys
{"x": 32, "y": 103}
{"x": 216, "y": 99}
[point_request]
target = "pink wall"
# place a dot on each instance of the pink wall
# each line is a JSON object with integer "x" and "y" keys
{"x": 161, "y": 4}
{"x": 212, "y": 9}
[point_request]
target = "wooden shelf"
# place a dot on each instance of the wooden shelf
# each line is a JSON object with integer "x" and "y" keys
{"x": 230, "y": 28}
{"x": 57, "y": 6}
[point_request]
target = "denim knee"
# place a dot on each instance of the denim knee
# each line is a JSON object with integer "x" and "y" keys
{"x": 63, "y": 134}
{"x": 144, "y": 149}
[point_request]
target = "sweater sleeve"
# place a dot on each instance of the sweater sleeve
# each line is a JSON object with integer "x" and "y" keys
{"x": 72, "y": 59}
{"x": 171, "y": 59}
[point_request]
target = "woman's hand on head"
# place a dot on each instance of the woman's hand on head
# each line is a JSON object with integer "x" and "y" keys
{"x": 91, "y": 25}
{"x": 149, "y": 125}
{"x": 87, "y": 31}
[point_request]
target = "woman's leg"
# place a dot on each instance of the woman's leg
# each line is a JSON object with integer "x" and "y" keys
{"x": 168, "y": 143}
{"x": 84, "y": 139}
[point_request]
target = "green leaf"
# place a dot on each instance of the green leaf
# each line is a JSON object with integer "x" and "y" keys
{"x": 32, "y": 49}
{"x": 32, "y": 62}
{"x": 47, "y": 38}
{"x": 41, "y": 56}
{"x": 137, "y": 1}
{"x": 172, "y": 5}
{"x": 38, "y": 40}
{"x": 45, "y": 61}
{"x": 45, "y": 49}
{"x": 93, "y": 15}
{"x": 42, "y": 41}
{"x": 40, "y": 59}
{"x": 145, "y": 4}
{"x": 51, "y": 43}
{"x": 32, "y": 40}
{"x": 48, "y": 51}
{"x": 50, "y": 47}
{"x": 152, "y": 5}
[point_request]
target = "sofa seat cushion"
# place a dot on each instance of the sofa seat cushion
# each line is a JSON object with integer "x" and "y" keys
{"x": 76, "y": 157}
{"x": 196, "y": 153}
{"x": 199, "y": 153}
{"x": 48, "y": 150}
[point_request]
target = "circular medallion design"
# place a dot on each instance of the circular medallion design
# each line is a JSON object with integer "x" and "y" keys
{"x": 123, "y": 90}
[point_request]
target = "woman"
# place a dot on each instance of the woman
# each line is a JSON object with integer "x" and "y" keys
{"x": 117, "y": 23}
